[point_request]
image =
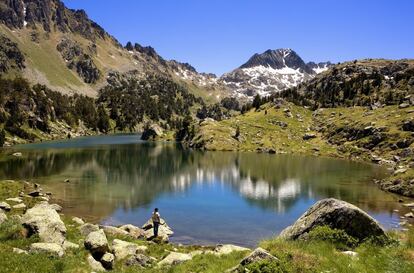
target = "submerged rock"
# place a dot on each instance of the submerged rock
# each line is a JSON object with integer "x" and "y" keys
{"x": 45, "y": 221}
{"x": 336, "y": 214}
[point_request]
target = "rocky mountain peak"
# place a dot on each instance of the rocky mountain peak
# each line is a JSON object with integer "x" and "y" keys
{"x": 278, "y": 59}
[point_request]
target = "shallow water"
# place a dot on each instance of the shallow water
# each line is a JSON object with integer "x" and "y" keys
{"x": 206, "y": 197}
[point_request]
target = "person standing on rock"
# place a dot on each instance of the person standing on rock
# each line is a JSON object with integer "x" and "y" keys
{"x": 156, "y": 220}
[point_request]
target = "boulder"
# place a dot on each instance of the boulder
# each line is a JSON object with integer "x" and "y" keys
{"x": 19, "y": 251}
{"x": 3, "y": 217}
{"x": 19, "y": 206}
{"x": 308, "y": 136}
{"x": 17, "y": 154}
{"x": 78, "y": 221}
{"x": 139, "y": 260}
{"x": 336, "y": 214}
{"x": 48, "y": 248}
{"x": 95, "y": 265}
{"x": 152, "y": 132}
{"x": 87, "y": 228}
{"x": 133, "y": 231}
{"x": 5, "y": 206}
{"x": 15, "y": 200}
{"x": 258, "y": 254}
{"x": 123, "y": 249}
{"x": 45, "y": 221}
{"x": 69, "y": 245}
{"x": 97, "y": 243}
{"x": 175, "y": 258}
{"x": 164, "y": 231}
{"x": 227, "y": 249}
{"x": 109, "y": 230}
{"x": 107, "y": 261}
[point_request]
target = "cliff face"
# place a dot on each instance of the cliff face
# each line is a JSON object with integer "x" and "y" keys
{"x": 51, "y": 15}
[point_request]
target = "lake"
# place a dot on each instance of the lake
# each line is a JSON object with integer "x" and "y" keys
{"x": 206, "y": 197}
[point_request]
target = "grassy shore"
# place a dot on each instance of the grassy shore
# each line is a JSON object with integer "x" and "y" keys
{"x": 357, "y": 133}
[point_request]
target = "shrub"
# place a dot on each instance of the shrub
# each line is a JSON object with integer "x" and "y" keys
{"x": 338, "y": 237}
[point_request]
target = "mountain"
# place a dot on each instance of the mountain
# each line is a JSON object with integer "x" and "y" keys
{"x": 370, "y": 82}
{"x": 271, "y": 71}
{"x": 48, "y": 43}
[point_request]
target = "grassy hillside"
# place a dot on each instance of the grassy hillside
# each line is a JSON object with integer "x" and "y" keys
{"x": 356, "y": 133}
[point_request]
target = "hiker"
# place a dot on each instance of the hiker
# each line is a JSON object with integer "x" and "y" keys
{"x": 156, "y": 219}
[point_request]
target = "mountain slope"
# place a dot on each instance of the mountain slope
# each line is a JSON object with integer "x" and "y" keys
{"x": 270, "y": 72}
{"x": 68, "y": 52}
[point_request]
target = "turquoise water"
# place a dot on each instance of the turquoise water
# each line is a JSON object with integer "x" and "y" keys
{"x": 206, "y": 197}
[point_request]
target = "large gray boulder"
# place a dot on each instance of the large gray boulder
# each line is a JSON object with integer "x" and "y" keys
{"x": 45, "y": 221}
{"x": 97, "y": 243}
{"x": 336, "y": 214}
{"x": 133, "y": 231}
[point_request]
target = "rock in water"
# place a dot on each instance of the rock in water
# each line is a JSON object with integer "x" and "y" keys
{"x": 97, "y": 243}
{"x": 336, "y": 214}
{"x": 45, "y": 221}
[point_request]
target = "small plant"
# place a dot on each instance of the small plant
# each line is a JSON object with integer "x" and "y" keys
{"x": 338, "y": 237}
{"x": 10, "y": 230}
{"x": 265, "y": 266}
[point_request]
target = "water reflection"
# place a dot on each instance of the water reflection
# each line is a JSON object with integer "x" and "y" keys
{"x": 120, "y": 179}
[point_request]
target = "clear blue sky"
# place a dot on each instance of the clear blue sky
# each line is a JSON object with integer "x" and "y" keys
{"x": 220, "y": 35}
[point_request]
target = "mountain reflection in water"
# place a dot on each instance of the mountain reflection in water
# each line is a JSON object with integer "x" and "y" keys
{"x": 242, "y": 196}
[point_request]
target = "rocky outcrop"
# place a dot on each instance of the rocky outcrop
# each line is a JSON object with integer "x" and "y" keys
{"x": 152, "y": 132}
{"x": 76, "y": 59}
{"x": 10, "y": 55}
{"x": 164, "y": 231}
{"x": 335, "y": 214}
{"x": 45, "y": 221}
{"x": 50, "y": 15}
